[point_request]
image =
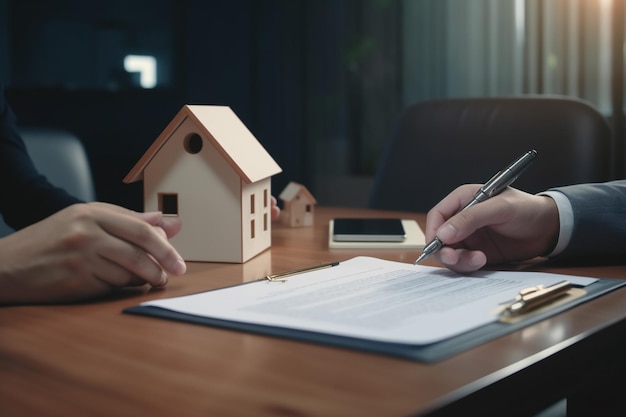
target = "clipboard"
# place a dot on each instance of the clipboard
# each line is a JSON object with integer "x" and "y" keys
{"x": 427, "y": 353}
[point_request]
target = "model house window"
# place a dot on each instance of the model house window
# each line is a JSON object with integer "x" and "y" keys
{"x": 252, "y": 204}
{"x": 251, "y": 229}
{"x": 308, "y": 208}
{"x": 193, "y": 143}
{"x": 265, "y": 222}
{"x": 265, "y": 195}
{"x": 168, "y": 204}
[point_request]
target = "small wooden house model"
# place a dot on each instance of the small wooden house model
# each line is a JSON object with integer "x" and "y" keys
{"x": 207, "y": 168}
{"x": 298, "y": 205}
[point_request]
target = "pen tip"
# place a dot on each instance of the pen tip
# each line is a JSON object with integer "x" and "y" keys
{"x": 418, "y": 260}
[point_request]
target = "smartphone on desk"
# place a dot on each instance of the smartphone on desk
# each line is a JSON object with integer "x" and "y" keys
{"x": 368, "y": 230}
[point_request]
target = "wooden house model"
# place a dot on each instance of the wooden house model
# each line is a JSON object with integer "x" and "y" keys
{"x": 298, "y": 205}
{"x": 208, "y": 169}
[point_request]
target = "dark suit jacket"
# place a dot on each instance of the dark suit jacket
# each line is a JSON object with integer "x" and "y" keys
{"x": 25, "y": 195}
{"x": 599, "y": 222}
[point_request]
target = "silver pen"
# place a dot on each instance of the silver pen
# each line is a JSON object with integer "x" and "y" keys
{"x": 494, "y": 186}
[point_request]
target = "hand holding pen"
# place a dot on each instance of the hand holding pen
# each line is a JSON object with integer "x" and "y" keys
{"x": 514, "y": 226}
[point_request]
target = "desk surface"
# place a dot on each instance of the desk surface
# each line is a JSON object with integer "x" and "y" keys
{"x": 92, "y": 360}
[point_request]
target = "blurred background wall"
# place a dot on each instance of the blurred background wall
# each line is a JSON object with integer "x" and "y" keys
{"x": 319, "y": 82}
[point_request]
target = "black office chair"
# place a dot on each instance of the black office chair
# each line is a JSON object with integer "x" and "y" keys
{"x": 439, "y": 145}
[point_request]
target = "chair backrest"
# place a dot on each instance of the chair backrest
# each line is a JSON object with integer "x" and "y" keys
{"x": 439, "y": 145}
{"x": 60, "y": 156}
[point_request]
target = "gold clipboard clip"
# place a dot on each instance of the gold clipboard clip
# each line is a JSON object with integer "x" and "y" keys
{"x": 533, "y": 297}
{"x": 284, "y": 276}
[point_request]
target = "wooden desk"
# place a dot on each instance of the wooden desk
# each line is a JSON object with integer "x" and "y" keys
{"x": 92, "y": 360}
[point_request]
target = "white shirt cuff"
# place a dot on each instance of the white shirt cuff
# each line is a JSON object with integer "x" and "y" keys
{"x": 566, "y": 220}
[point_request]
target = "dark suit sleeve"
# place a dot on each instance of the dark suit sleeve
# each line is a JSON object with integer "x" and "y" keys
{"x": 599, "y": 232}
{"x": 25, "y": 195}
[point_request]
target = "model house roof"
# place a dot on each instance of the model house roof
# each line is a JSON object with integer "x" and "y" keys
{"x": 227, "y": 133}
{"x": 293, "y": 189}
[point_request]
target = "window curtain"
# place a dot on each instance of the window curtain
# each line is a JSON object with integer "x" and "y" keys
{"x": 465, "y": 48}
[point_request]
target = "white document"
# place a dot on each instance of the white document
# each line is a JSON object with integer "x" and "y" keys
{"x": 371, "y": 299}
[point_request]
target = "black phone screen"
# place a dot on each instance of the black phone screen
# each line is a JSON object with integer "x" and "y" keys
{"x": 368, "y": 230}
